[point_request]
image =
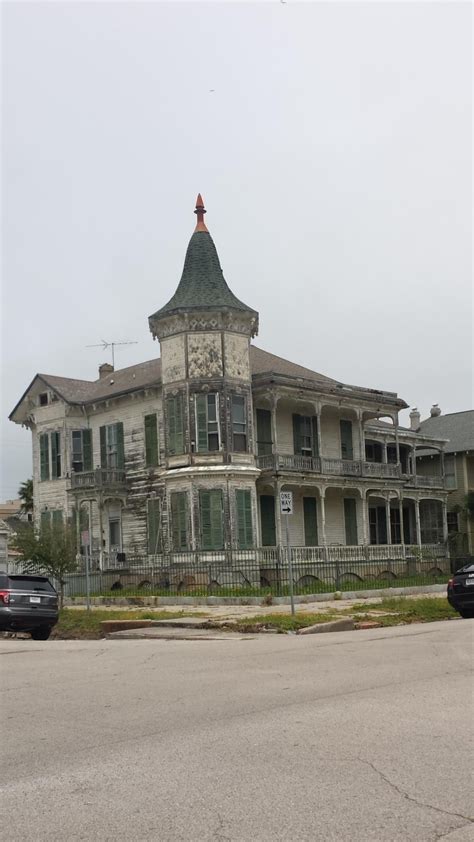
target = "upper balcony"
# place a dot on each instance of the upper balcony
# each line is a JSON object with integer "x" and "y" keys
{"x": 101, "y": 478}
{"x": 344, "y": 467}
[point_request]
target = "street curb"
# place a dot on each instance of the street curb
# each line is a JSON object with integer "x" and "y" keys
{"x": 253, "y": 600}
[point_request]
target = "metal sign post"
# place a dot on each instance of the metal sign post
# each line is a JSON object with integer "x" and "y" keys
{"x": 286, "y": 508}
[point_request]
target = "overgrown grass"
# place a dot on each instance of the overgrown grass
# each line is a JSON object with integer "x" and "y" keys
{"x": 315, "y": 587}
{"x": 281, "y": 622}
{"x": 406, "y": 611}
{"x": 81, "y": 624}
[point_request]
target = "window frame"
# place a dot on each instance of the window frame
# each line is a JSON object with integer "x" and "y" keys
{"x": 86, "y": 463}
{"x": 216, "y": 524}
{"x": 176, "y": 513}
{"x": 245, "y": 528}
{"x": 176, "y": 447}
{"x": 200, "y": 434}
{"x": 152, "y": 450}
{"x": 239, "y": 427}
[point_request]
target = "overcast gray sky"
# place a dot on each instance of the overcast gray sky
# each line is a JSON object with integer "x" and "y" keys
{"x": 331, "y": 142}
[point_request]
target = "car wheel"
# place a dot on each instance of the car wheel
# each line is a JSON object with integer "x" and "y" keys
{"x": 466, "y": 613}
{"x": 41, "y": 633}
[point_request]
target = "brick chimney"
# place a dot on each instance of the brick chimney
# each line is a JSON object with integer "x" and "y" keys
{"x": 415, "y": 419}
{"x": 435, "y": 411}
{"x": 105, "y": 370}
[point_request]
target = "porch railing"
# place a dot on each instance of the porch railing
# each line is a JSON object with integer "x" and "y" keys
{"x": 323, "y": 465}
{"x": 419, "y": 481}
{"x": 98, "y": 478}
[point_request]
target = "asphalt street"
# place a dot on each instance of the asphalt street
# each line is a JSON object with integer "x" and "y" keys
{"x": 352, "y": 736}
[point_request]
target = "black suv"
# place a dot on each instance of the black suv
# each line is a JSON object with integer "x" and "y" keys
{"x": 461, "y": 590}
{"x": 28, "y": 604}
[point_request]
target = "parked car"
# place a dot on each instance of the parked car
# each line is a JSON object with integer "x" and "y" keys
{"x": 461, "y": 591}
{"x": 28, "y": 604}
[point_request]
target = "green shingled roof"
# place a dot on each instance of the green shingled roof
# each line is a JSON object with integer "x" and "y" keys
{"x": 202, "y": 283}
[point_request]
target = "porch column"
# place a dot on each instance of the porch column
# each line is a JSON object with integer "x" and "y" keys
{"x": 397, "y": 443}
{"x": 274, "y": 423}
{"x": 322, "y": 503}
{"x": 363, "y": 495}
{"x": 444, "y": 507}
{"x": 384, "y": 452}
{"x": 78, "y": 527}
{"x": 279, "y": 535}
{"x": 361, "y": 437}
{"x": 101, "y": 536}
{"x": 417, "y": 522}
{"x": 413, "y": 460}
{"x": 388, "y": 521}
{"x": 402, "y": 533}
{"x": 442, "y": 466}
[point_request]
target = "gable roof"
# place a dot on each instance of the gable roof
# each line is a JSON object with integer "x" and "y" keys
{"x": 458, "y": 427}
{"x": 148, "y": 375}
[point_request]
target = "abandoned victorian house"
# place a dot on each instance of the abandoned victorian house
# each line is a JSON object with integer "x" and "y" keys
{"x": 183, "y": 457}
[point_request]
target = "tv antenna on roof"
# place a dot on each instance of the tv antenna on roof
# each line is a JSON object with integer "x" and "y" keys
{"x": 104, "y": 345}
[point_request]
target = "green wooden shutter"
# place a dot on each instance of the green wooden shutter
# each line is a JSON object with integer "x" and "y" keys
{"x": 212, "y": 525}
{"x": 201, "y": 423}
{"x": 103, "y": 447}
{"x": 244, "y": 519}
{"x": 45, "y": 520}
{"x": 55, "y": 455}
{"x": 314, "y": 427}
{"x": 346, "y": 439}
{"x": 179, "y": 424}
{"x": 154, "y": 525}
{"x": 310, "y": 522}
{"x": 267, "y": 514}
{"x": 57, "y": 517}
{"x": 44, "y": 456}
{"x": 179, "y": 524}
{"x": 87, "y": 450}
{"x": 174, "y": 414}
{"x": 151, "y": 441}
{"x": 120, "y": 447}
{"x": 350, "y": 521}
{"x": 297, "y": 434}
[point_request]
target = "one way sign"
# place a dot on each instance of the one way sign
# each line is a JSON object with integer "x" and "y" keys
{"x": 286, "y": 502}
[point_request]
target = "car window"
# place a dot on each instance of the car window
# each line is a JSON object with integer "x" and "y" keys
{"x": 29, "y": 583}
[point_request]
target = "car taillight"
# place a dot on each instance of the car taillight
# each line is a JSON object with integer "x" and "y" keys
{"x": 5, "y": 597}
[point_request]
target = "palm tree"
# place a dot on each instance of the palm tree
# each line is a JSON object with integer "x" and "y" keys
{"x": 25, "y": 493}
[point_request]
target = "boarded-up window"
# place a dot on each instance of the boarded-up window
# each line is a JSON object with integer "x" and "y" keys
{"x": 151, "y": 441}
{"x": 347, "y": 451}
{"x": 264, "y": 432}
{"x": 44, "y": 456}
{"x": 179, "y": 520}
{"x": 267, "y": 515}
{"x": 310, "y": 522}
{"x": 212, "y": 519}
{"x": 175, "y": 425}
{"x": 244, "y": 519}
{"x": 350, "y": 521}
{"x": 154, "y": 525}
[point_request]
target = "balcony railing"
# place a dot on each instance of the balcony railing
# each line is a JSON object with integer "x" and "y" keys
{"x": 100, "y": 478}
{"x": 418, "y": 481}
{"x": 321, "y": 465}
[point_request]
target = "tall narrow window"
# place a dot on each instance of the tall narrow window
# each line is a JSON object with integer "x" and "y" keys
{"x": 154, "y": 525}
{"x": 179, "y": 520}
{"x": 310, "y": 522}
{"x": 81, "y": 450}
{"x": 264, "y": 432}
{"x": 239, "y": 424}
{"x": 347, "y": 451}
{"x": 350, "y": 521}
{"x": 212, "y": 520}
{"x": 44, "y": 456}
{"x": 207, "y": 423}
{"x": 244, "y": 519}
{"x": 112, "y": 446}
{"x": 175, "y": 425}
{"x": 267, "y": 517}
{"x": 151, "y": 441}
{"x": 305, "y": 435}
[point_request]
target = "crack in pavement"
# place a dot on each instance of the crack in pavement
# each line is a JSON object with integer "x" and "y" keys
{"x": 467, "y": 819}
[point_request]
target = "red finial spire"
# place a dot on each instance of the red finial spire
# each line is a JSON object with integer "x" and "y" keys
{"x": 200, "y": 211}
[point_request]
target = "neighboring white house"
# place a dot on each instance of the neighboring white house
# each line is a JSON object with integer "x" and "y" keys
{"x": 189, "y": 452}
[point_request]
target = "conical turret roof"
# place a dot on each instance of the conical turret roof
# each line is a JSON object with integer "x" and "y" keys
{"x": 202, "y": 285}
